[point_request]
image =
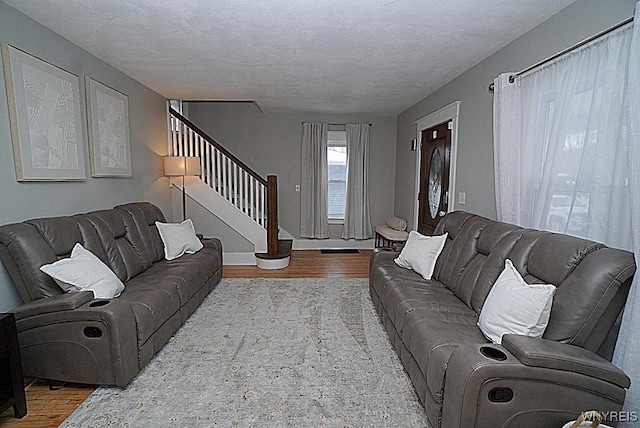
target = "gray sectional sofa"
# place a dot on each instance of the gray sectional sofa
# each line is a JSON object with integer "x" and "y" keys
{"x": 72, "y": 336}
{"x": 464, "y": 380}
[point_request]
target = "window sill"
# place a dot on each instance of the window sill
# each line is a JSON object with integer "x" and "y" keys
{"x": 336, "y": 221}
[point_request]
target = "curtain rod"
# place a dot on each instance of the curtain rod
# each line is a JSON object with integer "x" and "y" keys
{"x": 336, "y": 124}
{"x": 513, "y": 77}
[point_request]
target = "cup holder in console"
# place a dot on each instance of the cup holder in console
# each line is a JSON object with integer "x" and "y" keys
{"x": 99, "y": 303}
{"x": 493, "y": 353}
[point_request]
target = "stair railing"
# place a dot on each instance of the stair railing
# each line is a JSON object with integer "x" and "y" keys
{"x": 231, "y": 178}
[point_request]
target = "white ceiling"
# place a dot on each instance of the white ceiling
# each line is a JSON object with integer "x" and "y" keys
{"x": 331, "y": 56}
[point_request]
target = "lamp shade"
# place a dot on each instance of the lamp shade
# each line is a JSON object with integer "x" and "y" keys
{"x": 192, "y": 165}
{"x": 181, "y": 165}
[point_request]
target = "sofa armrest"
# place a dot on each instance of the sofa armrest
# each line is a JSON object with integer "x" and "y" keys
{"x": 60, "y": 302}
{"x": 212, "y": 243}
{"x": 485, "y": 385}
{"x": 95, "y": 342}
{"x": 555, "y": 355}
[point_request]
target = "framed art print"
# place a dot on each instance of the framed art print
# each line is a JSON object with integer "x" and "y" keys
{"x": 109, "y": 142}
{"x": 45, "y": 118}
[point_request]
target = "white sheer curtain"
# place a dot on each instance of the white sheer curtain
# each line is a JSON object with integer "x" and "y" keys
{"x": 564, "y": 169}
{"x": 506, "y": 133}
{"x": 627, "y": 353}
{"x": 357, "y": 217}
{"x": 579, "y": 161}
{"x": 314, "y": 221}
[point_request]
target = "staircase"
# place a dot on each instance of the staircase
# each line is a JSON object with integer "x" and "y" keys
{"x": 232, "y": 191}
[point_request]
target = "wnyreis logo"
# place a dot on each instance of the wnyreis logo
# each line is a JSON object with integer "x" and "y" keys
{"x": 620, "y": 416}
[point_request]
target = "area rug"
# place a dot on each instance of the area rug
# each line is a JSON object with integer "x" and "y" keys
{"x": 268, "y": 352}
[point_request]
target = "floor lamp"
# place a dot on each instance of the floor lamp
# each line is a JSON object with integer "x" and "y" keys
{"x": 179, "y": 166}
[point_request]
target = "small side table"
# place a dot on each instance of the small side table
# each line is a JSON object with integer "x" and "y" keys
{"x": 391, "y": 238}
{"x": 11, "y": 380}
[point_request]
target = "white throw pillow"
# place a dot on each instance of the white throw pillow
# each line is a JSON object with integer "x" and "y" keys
{"x": 421, "y": 252}
{"x": 178, "y": 239}
{"x": 84, "y": 271}
{"x": 515, "y": 307}
{"x": 397, "y": 223}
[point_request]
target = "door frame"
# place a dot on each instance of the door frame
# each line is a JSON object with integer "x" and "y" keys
{"x": 448, "y": 113}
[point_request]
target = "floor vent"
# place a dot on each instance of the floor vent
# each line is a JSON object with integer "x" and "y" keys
{"x": 340, "y": 251}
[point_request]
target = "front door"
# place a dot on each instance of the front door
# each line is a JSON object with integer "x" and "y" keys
{"x": 434, "y": 176}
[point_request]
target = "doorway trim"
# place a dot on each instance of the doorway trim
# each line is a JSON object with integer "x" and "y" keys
{"x": 451, "y": 113}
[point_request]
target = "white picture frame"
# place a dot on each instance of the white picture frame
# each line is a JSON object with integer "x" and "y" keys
{"x": 109, "y": 140}
{"x": 45, "y": 118}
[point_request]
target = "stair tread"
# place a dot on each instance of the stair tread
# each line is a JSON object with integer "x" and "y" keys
{"x": 284, "y": 250}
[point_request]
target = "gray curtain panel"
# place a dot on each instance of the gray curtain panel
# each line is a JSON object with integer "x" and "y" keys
{"x": 314, "y": 221}
{"x": 357, "y": 216}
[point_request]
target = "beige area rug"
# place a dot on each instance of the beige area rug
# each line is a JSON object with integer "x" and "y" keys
{"x": 268, "y": 353}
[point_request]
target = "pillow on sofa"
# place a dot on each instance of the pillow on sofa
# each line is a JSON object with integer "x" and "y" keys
{"x": 421, "y": 252}
{"x": 178, "y": 239}
{"x": 84, "y": 271}
{"x": 513, "y": 306}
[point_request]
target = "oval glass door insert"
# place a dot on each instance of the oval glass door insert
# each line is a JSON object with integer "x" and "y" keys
{"x": 435, "y": 183}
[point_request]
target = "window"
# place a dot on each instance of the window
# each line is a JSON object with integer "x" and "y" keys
{"x": 337, "y": 174}
{"x": 176, "y": 105}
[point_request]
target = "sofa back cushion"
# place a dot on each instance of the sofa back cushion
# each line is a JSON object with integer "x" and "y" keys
{"x": 144, "y": 216}
{"x": 121, "y": 242}
{"x": 459, "y": 250}
{"x": 474, "y": 258}
{"x": 588, "y": 275}
{"x": 25, "y": 247}
{"x": 494, "y": 244}
{"x": 591, "y": 279}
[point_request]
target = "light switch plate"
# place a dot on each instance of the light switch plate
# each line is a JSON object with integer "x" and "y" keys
{"x": 462, "y": 198}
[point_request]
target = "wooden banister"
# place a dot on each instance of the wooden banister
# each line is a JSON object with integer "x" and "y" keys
{"x": 217, "y": 145}
{"x": 272, "y": 214}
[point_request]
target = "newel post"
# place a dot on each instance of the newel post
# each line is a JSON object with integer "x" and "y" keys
{"x": 272, "y": 214}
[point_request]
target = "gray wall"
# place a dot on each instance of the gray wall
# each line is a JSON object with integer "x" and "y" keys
{"x": 475, "y": 142}
{"x": 147, "y": 109}
{"x": 270, "y": 144}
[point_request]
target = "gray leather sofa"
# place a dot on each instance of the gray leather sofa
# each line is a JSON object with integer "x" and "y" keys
{"x": 465, "y": 381}
{"x": 72, "y": 336}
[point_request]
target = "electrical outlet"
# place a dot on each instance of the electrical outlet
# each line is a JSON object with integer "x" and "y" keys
{"x": 297, "y": 187}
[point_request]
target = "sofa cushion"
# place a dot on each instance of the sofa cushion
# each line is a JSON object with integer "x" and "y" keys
{"x": 421, "y": 252}
{"x": 431, "y": 339}
{"x": 515, "y": 307}
{"x": 185, "y": 275}
{"x": 488, "y": 261}
{"x": 121, "y": 242}
{"x": 63, "y": 233}
{"x": 144, "y": 216}
{"x": 152, "y": 306}
{"x": 459, "y": 252}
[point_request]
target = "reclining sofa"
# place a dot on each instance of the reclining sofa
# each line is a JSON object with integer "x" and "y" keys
{"x": 462, "y": 379}
{"x": 73, "y": 337}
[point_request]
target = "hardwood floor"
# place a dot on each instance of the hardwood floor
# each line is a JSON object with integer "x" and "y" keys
{"x": 310, "y": 264}
{"x": 49, "y": 408}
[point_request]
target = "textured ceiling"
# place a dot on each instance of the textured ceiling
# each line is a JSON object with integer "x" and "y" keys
{"x": 332, "y": 56}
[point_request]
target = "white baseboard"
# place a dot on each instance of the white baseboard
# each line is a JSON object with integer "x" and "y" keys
{"x": 332, "y": 244}
{"x": 245, "y": 259}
